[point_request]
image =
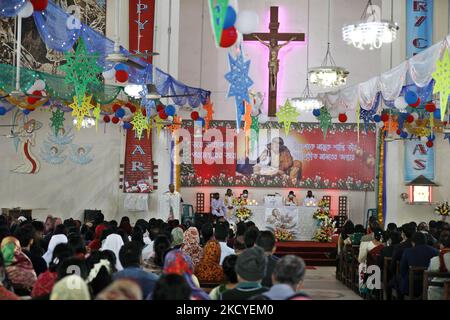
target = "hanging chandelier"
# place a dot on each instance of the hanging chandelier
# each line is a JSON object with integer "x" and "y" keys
{"x": 307, "y": 102}
{"x": 371, "y": 32}
{"x": 328, "y": 75}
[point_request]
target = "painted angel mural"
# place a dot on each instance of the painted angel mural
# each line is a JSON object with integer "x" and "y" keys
{"x": 81, "y": 154}
{"x": 64, "y": 136}
{"x": 53, "y": 154}
{"x": 24, "y": 140}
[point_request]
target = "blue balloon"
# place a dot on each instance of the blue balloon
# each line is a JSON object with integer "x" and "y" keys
{"x": 437, "y": 114}
{"x": 377, "y": 118}
{"x": 26, "y": 112}
{"x": 120, "y": 113}
{"x": 170, "y": 110}
{"x": 230, "y": 18}
{"x": 201, "y": 121}
{"x": 404, "y": 135}
{"x": 127, "y": 125}
{"x": 121, "y": 66}
{"x": 316, "y": 112}
{"x": 2, "y": 111}
{"x": 431, "y": 137}
{"x": 411, "y": 97}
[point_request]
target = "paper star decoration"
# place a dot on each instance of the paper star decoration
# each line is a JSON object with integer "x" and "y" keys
{"x": 240, "y": 82}
{"x": 159, "y": 124}
{"x": 254, "y": 132}
{"x": 442, "y": 82}
{"x": 286, "y": 115}
{"x": 325, "y": 120}
{"x": 81, "y": 110}
{"x": 57, "y": 120}
{"x": 96, "y": 113}
{"x": 247, "y": 119}
{"x": 176, "y": 124}
{"x": 139, "y": 123}
{"x": 81, "y": 69}
{"x": 209, "y": 113}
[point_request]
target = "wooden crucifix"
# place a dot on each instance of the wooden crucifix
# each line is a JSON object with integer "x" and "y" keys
{"x": 274, "y": 64}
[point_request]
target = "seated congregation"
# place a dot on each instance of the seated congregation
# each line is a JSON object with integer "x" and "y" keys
{"x": 410, "y": 262}
{"x": 152, "y": 260}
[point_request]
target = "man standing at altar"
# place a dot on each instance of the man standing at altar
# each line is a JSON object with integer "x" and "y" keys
{"x": 228, "y": 201}
{"x": 310, "y": 200}
{"x": 171, "y": 203}
{"x": 218, "y": 208}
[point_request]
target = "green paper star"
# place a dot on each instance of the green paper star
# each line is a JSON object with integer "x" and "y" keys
{"x": 57, "y": 120}
{"x": 442, "y": 82}
{"x": 287, "y": 114}
{"x": 254, "y": 132}
{"x": 81, "y": 69}
{"x": 139, "y": 123}
{"x": 325, "y": 120}
{"x": 96, "y": 113}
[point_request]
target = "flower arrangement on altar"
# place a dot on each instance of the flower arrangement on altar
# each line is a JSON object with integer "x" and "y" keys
{"x": 323, "y": 212}
{"x": 325, "y": 231}
{"x": 283, "y": 235}
{"x": 239, "y": 201}
{"x": 243, "y": 213}
{"x": 443, "y": 210}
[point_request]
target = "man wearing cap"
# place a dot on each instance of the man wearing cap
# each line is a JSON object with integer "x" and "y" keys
{"x": 250, "y": 268}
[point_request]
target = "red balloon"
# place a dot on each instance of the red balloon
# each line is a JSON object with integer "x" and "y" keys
{"x": 194, "y": 115}
{"x": 115, "y": 120}
{"x": 343, "y": 117}
{"x": 39, "y": 5}
{"x": 410, "y": 119}
{"x": 144, "y": 112}
{"x": 37, "y": 93}
{"x": 384, "y": 117}
{"x": 399, "y": 131}
{"x": 106, "y": 119}
{"x": 131, "y": 106}
{"x": 163, "y": 115}
{"x": 229, "y": 37}
{"x": 159, "y": 107}
{"x": 116, "y": 107}
{"x": 415, "y": 105}
{"x": 430, "y": 107}
{"x": 430, "y": 144}
{"x": 32, "y": 100}
{"x": 121, "y": 76}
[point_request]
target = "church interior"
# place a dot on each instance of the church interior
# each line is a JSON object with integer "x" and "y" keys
{"x": 224, "y": 149}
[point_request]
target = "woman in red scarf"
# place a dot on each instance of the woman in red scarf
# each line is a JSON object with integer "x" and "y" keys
{"x": 19, "y": 268}
{"x": 96, "y": 244}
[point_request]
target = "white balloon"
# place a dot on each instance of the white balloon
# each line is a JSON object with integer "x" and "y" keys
{"x": 109, "y": 74}
{"x": 39, "y": 85}
{"x": 380, "y": 124}
{"x": 170, "y": 118}
{"x": 400, "y": 103}
{"x": 415, "y": 115}
{"x": 26, "y": 11}
{"x": 424, "y": 139}
{"x": 263, "y": 118}
{"x": 247, "y": 22}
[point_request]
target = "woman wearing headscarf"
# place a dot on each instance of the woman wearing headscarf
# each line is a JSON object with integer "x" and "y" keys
{"x": 113, "y": 242}
{"x": 121, "y": 289}
{"x": 161, "y": 246}
{"x": 54, "y": 241}
{"x": 96, "y": 244}
{"x": 209, "y": 268}
{"x": 176, "y": 262}
{"x": 19, "y": 268}
{"x": 191, "y": 245}
{"x": 177, "y": 236}
{"x": 72, "y": 287}
{"x": 5, "y": 294}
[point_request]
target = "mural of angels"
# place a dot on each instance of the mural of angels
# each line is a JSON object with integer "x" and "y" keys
{"x": 53, "y": 154}
{"x": 80, "y": 154}
{"x": 24, "y": 140}
{"x": 64, "y": 136}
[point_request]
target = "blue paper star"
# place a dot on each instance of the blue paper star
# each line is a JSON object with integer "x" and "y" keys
{"x": 367, "y": 117}
{"x": 240, "y": 82}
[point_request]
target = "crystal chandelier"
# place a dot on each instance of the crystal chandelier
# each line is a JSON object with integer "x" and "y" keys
{"x": 328, "y": 75}
{"x": 371, "y": 32}
{"x": 86, "y": 123}
{"x": 307, "y": 102}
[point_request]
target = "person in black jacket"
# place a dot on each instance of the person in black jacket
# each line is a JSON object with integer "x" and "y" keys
{"x": 25, "y": 235}
{"x": 266, "y": 240}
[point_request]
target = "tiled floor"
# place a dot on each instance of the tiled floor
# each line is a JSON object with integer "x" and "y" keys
{"x": 321, "y": 284}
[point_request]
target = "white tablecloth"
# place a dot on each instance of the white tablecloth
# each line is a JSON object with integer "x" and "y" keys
{"x": 298, "y": 219}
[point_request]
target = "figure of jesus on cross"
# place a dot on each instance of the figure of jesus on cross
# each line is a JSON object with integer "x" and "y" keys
{"x": 270, "y": 40}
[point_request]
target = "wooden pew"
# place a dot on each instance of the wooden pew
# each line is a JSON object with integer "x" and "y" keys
{"x": 415, "y": 277}
{"x": 387, "y": 292}
{"x": 428, "y": 281}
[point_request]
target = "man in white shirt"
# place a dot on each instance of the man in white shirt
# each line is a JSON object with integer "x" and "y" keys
{"x": 229, "y": 204}
{"x": 171, "y": 203}
{"x": 310, "y": 200}
{"x": 218, "y": 208}
{"x": 221, "y": 235}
